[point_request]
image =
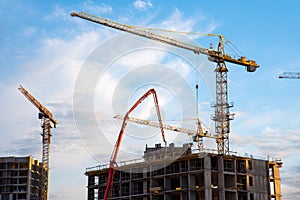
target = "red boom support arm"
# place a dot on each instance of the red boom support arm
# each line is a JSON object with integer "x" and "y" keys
{"x": 113, "y": 160}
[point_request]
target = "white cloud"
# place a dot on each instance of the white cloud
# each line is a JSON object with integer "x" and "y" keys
{"x": 273, "y": 142}
{"x": 279, "y": 143}
{"x": 142, "y": 4}
{"x": 239, "y": 114}
{"x": 178, "y": 22}
{"x": 58, "y": 12}
{"x": 29, "y": 31}
{"x": 90, "y": 6}
{"x": 199, "y": 24}
{"x": 63, "y": 14}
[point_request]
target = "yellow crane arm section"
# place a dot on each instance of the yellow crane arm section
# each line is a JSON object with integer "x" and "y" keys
{"x": 213, "y": 55}
{"x": 166, "y": 126}
{"x": 38, "y": 105}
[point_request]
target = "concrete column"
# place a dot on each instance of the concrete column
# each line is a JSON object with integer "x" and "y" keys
{"x": 191, "y": 185}
{"x": 145, "y": 187}
{"x": 207, "y": 178}
{"x": 151, "y": 181}
{"x": 167, "y": 186}
{"x": 235, "y": 174}
{"x": 221, "y": 183}
{"x": 130, "y": 182}
{"x": 28, "y": 183}
{"x": 167, "y": 183}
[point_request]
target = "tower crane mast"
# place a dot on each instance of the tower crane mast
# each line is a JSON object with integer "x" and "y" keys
{"x": 46, "y": 117}
{"x": 222, "y": 115}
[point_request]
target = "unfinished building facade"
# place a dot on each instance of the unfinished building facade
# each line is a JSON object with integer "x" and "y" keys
{"x": 20, "y": 178}
{"x": 167, "y": 173}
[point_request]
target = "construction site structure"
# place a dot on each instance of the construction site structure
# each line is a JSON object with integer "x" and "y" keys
{"x": 21, "y": 177}
{"x": 46, "y": 118}
{"x": 222, "y": 115}
{"x": 292, "y": 75}
{"x": 167, "y": 173}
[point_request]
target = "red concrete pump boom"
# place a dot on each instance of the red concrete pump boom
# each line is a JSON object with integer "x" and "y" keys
{"x": 113, "y": 160}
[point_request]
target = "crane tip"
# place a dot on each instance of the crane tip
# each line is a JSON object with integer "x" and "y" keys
{"x": 21, "y": 88}
{"x": 281, "y": 76}
{"x": 73, "y": 14}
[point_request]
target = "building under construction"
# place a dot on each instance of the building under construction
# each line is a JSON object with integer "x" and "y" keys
{"x": 21, "y": 178}
{"x": 166, "y": 173}
{"x": 179, "y": 173}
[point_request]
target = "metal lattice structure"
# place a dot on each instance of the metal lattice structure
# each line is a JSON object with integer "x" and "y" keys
{"x": 292, "y": 75}
{"x": 222, "y": 114}
{"x": 46, "y": 118}
{"x": 197, "y": 135}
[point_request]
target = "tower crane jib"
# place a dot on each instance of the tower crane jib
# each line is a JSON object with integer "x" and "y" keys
{"x": 291, "y": 75}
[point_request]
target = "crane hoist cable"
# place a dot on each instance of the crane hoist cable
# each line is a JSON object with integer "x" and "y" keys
{"x": 227, "y": 42}
{"x": 230, "y": 45}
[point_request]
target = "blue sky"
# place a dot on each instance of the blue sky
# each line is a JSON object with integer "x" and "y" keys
{"x": 57, "y": 58}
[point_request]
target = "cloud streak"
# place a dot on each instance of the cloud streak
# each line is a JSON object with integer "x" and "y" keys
{"x": 142, "y": 5}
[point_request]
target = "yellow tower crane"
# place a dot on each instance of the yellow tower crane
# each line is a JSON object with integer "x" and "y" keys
{"x": 46, "y": 117}
{"x": 222, "y": 115}
{"x": 196, "y": 135}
